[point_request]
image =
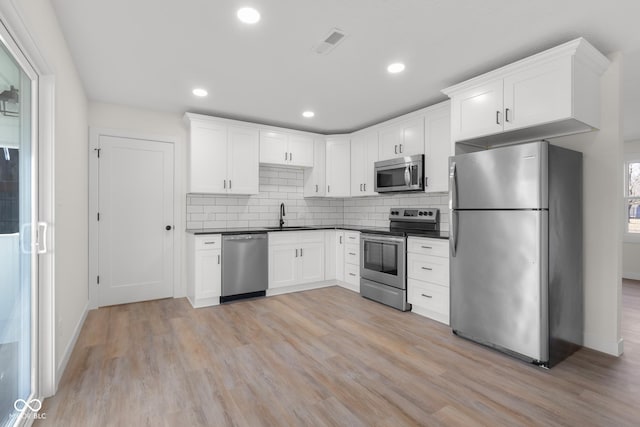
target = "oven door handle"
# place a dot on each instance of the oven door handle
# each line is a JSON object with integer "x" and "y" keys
{"x": 376, "y": 239}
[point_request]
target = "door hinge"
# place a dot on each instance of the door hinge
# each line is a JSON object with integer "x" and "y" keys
{"x": 98, "y": 216}
{"x": 98, "y": 151}
{"x": 98, "y": 280}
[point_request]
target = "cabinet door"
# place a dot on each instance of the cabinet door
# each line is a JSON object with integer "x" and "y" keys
{"x": 477, "y": 112}
{"x": 330, "y": 245}
{"x": 273, "y": 148}
{"x": 358, "y": 159}
{"x": 340, "y": 244}
{"x": 208, "y": 274}
{"x": 283, "y": 266}
{"x": 208, "y": 159}
{"x": 314, "y": 181}
{"x": 311, "y": 262}
{"x": 412, "y": 137}
{"x": 437, "y": 148}
{"x": 371, "y": 156}
{"x": 244, "y": 175}
{"x": 390, "y": 139}
{"x": 338, "y": 167}
{"x": 301, "y": 151}
{"x": 538, "y": 95}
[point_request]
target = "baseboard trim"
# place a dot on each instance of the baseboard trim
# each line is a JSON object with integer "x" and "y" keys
{"x": 298, "y": 288}
{"x": 72, "y": 344}
{"x": 613, "y": 348}
{"x": 631, "y": 275}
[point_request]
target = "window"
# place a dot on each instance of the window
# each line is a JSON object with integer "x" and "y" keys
{"x": 632, "y": 197}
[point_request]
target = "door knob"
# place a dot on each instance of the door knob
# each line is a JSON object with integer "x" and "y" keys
{"x": 168, "y": 228}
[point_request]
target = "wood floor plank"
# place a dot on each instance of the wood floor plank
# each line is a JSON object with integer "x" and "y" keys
{"x": 326, "y": 357}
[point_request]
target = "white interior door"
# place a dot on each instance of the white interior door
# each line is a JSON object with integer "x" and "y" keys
{"x": 135, "y": 227}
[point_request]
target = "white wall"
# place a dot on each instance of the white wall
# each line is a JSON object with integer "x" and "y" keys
{"x": 602, "y": 151}
{"x": 70, "y": 191}
{"x": 631, "y": 250}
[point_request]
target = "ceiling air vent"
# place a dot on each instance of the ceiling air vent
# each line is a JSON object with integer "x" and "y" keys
{"x": 333, "y": 39}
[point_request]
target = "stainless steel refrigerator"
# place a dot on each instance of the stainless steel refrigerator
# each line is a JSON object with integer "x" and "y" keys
{"x": 516, "y": 250}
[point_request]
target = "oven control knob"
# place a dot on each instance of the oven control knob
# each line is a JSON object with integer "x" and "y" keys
{"x": 420, "y": 213}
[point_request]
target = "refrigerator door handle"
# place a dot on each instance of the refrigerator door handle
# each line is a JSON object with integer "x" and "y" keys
{"x": 453, "y": 183}
{"x": 453, "y": 235}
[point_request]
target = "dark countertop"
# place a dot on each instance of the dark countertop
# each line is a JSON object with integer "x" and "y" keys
{"x": 360, "y": 228}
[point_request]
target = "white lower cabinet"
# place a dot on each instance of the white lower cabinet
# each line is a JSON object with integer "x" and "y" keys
{"x": 296, "y": 258}
{"x": 428, "y": 277}
{"x": 352, "y": 260}
{"x": 204, "y": 285}
{"x": 340, "y": 244}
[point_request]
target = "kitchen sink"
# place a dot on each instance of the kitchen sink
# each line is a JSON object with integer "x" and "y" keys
{"x": 293, "y": 227}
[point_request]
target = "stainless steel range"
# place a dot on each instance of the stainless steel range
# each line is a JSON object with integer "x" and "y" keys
{"x": 383, "y": 263}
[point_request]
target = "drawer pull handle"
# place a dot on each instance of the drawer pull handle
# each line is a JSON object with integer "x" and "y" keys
{"x": 351, "y": 274}
{"x": 427, "y": 268}
{"x": 427, "y": 296}
{"x": 426, "y": 247}
{"x": 352, "y": 238}
{"x": 351, "y": 253}
{"x": 209, "y": 243}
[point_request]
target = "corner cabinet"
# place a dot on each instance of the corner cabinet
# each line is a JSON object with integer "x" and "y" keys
{"x": 204, "y": 272}
{"x": 286, "y": 149}
{"x": 553, "y": 93}
{"x": 338, "y": 167}
{"x": 223, "y": 158}
{"x": 314, "y": 178}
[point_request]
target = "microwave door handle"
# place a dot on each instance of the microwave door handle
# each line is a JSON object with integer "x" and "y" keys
{"x": 407, "y": 176}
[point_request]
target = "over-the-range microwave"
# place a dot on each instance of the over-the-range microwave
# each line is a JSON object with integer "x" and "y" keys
{"x": 400, "y": 174}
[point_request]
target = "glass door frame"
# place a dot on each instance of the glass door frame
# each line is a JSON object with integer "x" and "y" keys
{"x": 10, "y": 44}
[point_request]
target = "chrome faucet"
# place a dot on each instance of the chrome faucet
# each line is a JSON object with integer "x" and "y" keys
{"x": 282, "y": 214}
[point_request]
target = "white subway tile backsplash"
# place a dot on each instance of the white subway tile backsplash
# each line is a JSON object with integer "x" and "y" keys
{"x": 278, "y": 185}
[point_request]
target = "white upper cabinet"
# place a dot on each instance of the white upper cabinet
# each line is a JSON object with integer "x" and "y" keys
{"x": 314, "y": 178}
{"x": 364, "y": 153}
{"x": 286, "y": 149}
{"x": 437, "y": 147}
{"x": 223, "y": 159}
{"x": 405, "y": 138}
{"x": 338, "y": 170}
{"x": 553, "y": 93}
{"x": 244, "y": 176}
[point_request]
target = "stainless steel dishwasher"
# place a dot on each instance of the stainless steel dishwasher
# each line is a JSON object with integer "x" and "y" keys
{"x": 245, "y": 267}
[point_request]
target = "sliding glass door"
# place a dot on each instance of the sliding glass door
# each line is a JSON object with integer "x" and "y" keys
{"x": 17, "y": 221}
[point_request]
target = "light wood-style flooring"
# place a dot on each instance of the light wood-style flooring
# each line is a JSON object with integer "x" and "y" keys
{"x": 326, "y": 357}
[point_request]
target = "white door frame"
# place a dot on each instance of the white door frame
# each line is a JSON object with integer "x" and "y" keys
{"x": 43, "y": 307}
{"x": 94, "y": 138}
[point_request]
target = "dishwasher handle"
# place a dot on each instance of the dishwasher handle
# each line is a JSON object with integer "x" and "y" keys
{"x": 256, "y": 236}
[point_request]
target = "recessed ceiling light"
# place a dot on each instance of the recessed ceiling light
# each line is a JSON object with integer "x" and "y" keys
{"x": 248, "y": 15}
{"x": 308, "y": 114}
{"x": 396, "y": 67}
{"x": 200, "y": 92}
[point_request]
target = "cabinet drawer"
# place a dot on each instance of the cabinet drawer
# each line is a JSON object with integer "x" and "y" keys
{"x": 428, "y": 268}
{"x": 208, "y": 242}
{"x": 434, "y": 247}
{"x": 431, "y": 297}
{"x": 352, "y": 274}
{"x": 352, "y": 254}
{"x": 352, "y": 237}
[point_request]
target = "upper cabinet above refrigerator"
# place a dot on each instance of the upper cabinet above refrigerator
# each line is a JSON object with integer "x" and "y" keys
{"x": 553, "y": 93}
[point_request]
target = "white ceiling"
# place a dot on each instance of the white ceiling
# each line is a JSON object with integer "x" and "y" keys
{"x": 151, "y": 54}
